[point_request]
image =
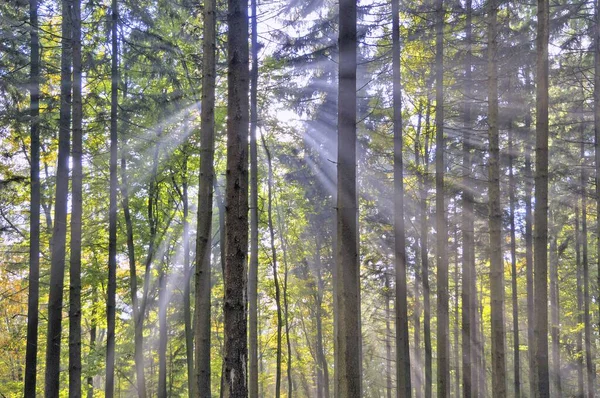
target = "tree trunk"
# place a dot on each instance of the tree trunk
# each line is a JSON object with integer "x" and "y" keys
{"x": 236, "y": 209}
{"x": 322, "y": 359}
{"x": 347, "y": 264}
{"x": 112, "y": 215}
{"x": 162, "y": 332}
{"x": 253, "y": 272}
{"x": 33, "y": 300}
{"x": 541, "y": 205}
{"x": 586, "y": 282}
{"x": 443, "y": 340}
{"x": 418, "y": 359}
{"x": 596, "y": 41}
{"x": 76, "y": 213}
{"x": 403, "y": 386}
{"x": 513, "y": 267}
{"x": 579, "y": 338}
{"x": 59, "y": 230}
{"x": 554, "y": 307}
{"x": 424, "y": 188}
{"x": 187, "y": 275}
{"x": 93, "y": 332}
{"x": 468, "y": 233}
{"x": 202, "y": 282}
{"x": 456, "y": 312}
{"x": 529, "y": 242}
{"x": 388, "y": 334}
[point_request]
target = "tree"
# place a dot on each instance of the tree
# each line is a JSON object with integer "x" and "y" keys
{"x": 202, "y": 316}
{"x": 30, "y": 381}
{"x": 403, "y": 371}
{"x": 59, "y": 231}
{"x": 236, "y": 210}
{"x": 541, "y": 205}
{"x": 348, "y": 375}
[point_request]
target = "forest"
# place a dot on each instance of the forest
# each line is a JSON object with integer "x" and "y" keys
{"x": 299, "y": 198}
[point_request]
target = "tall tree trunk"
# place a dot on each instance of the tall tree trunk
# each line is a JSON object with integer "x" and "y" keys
{"x": 322, "y": 359}
{"x": 541, "y": 205}
{"x": 403, "y": 371}
{"x": 596, "y": 41}
{"x": 456, "y": 312}
{"x": 468, "y": 233}
{"x": 529, "y": 241}
{"x": 112, "y": 215}
{"x": 495, "y": 214}
{"x": 93, "y": 332}
{"x": 202, "y": 282}
{"x": 513, "y": 267}
{"x": 275, "y": 270}
{"x": 253, "y": 272}
{"x": 554, "y": 307}
{"x": 76, "y": 213}
{"x": 59, "y": 230}
{"x": 388, "y": 342}
{"x": 586, "y": 282}
{"x": 236, "y": 210}
{"x": 443, "y": 338}
{"x": 33, "y": 299}
{"x": 162, "y": 332}
{"x": 418, "y": 379}
{"x": 187, "y": 275}
{"x": 424, "y": 188}
{"x": 348, "y": 371}
{"x": 579, "y": 338}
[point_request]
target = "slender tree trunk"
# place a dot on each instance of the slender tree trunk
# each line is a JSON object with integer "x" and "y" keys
{"x": 424, "y": 188}
{"x": 93, "y": 332}
{"x": 529, "y": 243}
{"x": 456, "y": 312}
{"x": 579, "y": 338}
{"x": 596, "y": 40}
{"x": 554, "y": 306}
{"x": 76, "y": 213}
{"x": 202, "y": 316}
{"x": 253, "y": 272}
{"x": 59, "y": 230}
{"x": 468, "y": 233}
{"x": 112, "y": 215}
{"x": 162, "y": 333}
{"x": 513, "y": 267}
{"x": 187, "y": 275}
{"x": 418, "y": 379}
{"x": 388, "y": 342}
{"x": 403, "y": 371}
{"x": 541, "y": 205}
{"x": 586, "y": 282}
{"x": 443, "y": 340}
{"x": 322, "y": 359}
{"x": 348, "y": 373}
{"x": 30, "y": 383}
{"x": 236, "y": 210}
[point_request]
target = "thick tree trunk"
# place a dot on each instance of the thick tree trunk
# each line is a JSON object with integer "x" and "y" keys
{"x": 513, "y": 268}
{"x": 76, "y": 213}
{"x": 443, "y": 338}
{"x": 236, "y": 208}
{"x": 468, "y": 233}
{"x": 403, "y": 371}
{"x": 202, "y": 284}
{"x": 112, "y": 215}
{"x": 30, "y": 382}
{"x": 541, "y": 205}
{"x": 59, "y": 230}
{"x": 348, "y": 371}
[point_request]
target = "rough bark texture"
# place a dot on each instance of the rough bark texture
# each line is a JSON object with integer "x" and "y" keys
{"x": 236, "y": 210}
{"x": 59, "y": 230}
{"x": 541, "y": 205}
{"x": 33, "y": 299}
{"x": 202, "y": 287}
{"x": 348, "y": 287}
{"x": 443, "y": 326}
{"x": 76, "y": 213}
{"x": 253, "y": 271}
{"x": 403, "y": 382}
{"x": 112, "y": 213}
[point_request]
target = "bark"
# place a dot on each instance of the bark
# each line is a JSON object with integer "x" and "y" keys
{"x": 112, "y": 215}
{"x": 33, "y": 299}
{"x": 388, "y": 343}
{"x": 554, "y": 306}
{"x": 403, "y": 388}
{"x": 418, "y": 358}
{"x": 253, "y": 272}
{"x": 202, "y": 316}
{"x": 93, "y": 332}
{"x": 443, "y": 340}
{"x": 347, "y": 264}
{"x": 586, "y": 285}
{"x": 513, "y": 268}
{"x": 541, "y": 205}
{"x": 162, "y": 333}
{"x": 468, "y": 233}
{"x": 456, "y": 315}
{"x": 236, "y": 208}
{"x": 187, "y": 275}
{"x": 596, "y": 42}
{"x": 424, "y": 188}
{"x": 579, "y": 338}
{"x": 76, "y": 213}
{"x": 59, "y": 230}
